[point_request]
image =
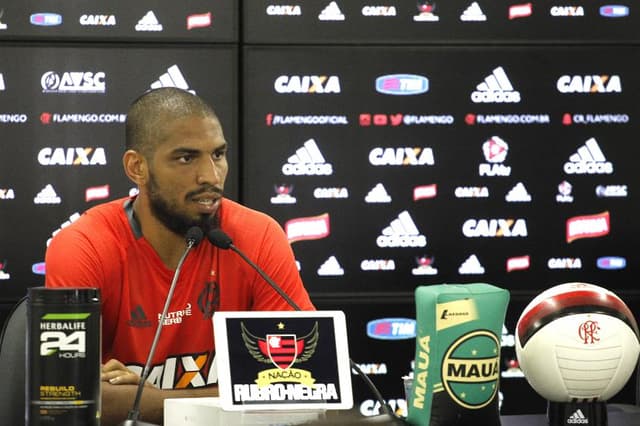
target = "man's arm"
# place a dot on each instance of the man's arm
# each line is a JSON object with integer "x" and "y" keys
{"x": 117, "y": 400}
{"x": 119, "y": 388}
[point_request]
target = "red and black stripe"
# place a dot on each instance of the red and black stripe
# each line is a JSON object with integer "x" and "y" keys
{"x": 569, "y": 303}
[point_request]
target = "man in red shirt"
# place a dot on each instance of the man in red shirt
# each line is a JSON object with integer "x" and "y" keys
{"x": 129, "y": 249}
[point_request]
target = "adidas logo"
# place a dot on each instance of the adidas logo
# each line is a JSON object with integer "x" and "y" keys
{"x": 496, "y": 88}
{"x": 307, "y": 161}
{"x": 138, "y": 318}
{"x": 149, "y": 22}
{"x": 578, "y": 418}
{"x": 330, "y": 267}
{"x": 471, "y": 266}
{"x": 377, "y": 194}
{"x": 588, "y": 160}
{"x": 473, "y": 13}
{"x": 47, "y": 196}
{"x": 1, "y": 82}
{"x": 518, "y": 194}
{"x": 172, "y": 78}
{"x": 401, "y": 232}
{"x": 331, "y": 13}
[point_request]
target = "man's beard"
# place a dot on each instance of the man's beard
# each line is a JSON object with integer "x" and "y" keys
{"x": 167, "y": 213}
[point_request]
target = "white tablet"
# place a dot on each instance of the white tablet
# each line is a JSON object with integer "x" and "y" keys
{"x": 283, "y": 360}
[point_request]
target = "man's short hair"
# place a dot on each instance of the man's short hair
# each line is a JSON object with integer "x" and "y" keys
{"x": 150, "y": 113}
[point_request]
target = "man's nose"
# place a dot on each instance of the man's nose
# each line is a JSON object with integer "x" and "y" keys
{"x": 209, "y": 172}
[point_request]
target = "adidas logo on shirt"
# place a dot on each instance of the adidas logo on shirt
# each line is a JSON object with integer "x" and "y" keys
{"x": 473, "y": 13}
{"x": 588, "y": 160}
{"x": 47, "y": 196}
{"x": 331, "y": 13}
{"x": 377, "y": 194}
{"x": 138, "y": 318}
{"x": 496, "y": 88}
{"x": 578, "y": 418}
{"x": 172, "y": 78}
{"x": 307, "y": 161}
{"x": 401, "y": 232}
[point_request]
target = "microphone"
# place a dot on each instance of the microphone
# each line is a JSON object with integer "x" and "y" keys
{"x": 220, "y": 239}
{"x": 193, "y": 237}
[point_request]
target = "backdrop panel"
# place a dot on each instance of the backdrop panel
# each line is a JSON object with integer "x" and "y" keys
{"x": 433, "y": 21}
{"x": 62, "y": 112}
{"x": 117, "y": 20}
{"x": 393, "y": 167}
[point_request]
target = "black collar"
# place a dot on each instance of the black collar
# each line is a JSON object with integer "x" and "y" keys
{"x": 131, "y": 216}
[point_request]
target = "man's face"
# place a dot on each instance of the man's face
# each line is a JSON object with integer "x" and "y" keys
{"x": 187, "y": 171}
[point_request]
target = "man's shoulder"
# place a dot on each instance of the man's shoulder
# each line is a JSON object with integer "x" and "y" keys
{"x": 234, "y": 213}
{"x": 104, "y": 222}
{"x": 240, "y": 221}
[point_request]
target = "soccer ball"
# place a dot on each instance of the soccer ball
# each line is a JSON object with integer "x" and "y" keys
{"x": 577, "y": 342}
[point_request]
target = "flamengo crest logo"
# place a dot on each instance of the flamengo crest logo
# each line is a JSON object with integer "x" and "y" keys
{"x": 283, "y": 351}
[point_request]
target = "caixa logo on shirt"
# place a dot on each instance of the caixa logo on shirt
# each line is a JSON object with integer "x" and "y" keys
{"x": 182, "y": 371}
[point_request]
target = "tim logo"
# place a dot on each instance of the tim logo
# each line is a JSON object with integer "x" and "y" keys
{"x": 588, "y": 332}
{"x": 283, "y": 351}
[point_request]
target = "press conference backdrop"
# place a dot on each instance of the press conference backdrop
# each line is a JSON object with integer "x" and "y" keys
{"x": 398, "y": 143}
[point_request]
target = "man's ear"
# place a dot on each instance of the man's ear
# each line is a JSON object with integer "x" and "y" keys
{"x": 136, "y": 167}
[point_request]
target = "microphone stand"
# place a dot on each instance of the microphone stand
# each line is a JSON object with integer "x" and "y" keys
{"x": 268, "y": 279}
{"x": 194, "y": 236}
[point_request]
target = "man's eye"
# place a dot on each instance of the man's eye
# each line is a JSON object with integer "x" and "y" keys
{"x": 185, "y": 158}
{"x": 219, "y": 154}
